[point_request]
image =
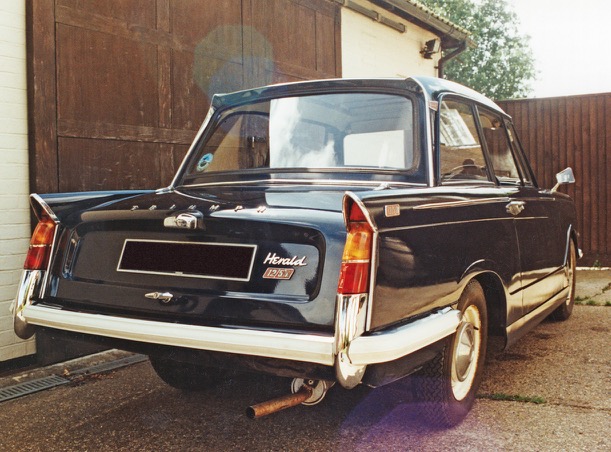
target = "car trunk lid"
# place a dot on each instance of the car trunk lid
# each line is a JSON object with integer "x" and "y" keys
{"x": 241, "y": 257}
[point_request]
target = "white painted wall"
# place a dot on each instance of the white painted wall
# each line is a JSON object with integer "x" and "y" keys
{"x": 370, "y": 49}
{"x": 14, "y": 184}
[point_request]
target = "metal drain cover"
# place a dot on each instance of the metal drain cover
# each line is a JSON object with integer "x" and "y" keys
{"x": 29, "y": 387}
{"x": 111, "y": 365}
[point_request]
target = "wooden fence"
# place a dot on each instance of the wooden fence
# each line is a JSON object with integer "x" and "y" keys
{"x": 573, "y": 131}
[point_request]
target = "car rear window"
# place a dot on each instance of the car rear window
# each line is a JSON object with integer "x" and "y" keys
{"x": 347, "y": 130}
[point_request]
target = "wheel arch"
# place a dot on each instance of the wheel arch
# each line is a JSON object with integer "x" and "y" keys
{"x": 496, "y": 302}
{"x": 574, "y": 236}
{"x": 485, "y": 272}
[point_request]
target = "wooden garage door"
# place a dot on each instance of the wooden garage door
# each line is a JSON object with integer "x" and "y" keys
{"x": 118, "y": 88}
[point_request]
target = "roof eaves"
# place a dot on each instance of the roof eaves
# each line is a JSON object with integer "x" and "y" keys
{"x": 413, "y": 11}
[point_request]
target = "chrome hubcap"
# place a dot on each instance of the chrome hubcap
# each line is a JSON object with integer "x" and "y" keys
{"x": 464, "y": 350}
{"x": 465, "y": 355}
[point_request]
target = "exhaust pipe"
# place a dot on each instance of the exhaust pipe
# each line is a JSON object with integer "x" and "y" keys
{"x": 306, "y": 392}
{"x": 280, "y": 403}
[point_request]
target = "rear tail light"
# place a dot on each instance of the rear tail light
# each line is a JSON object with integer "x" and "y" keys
{"x": 40, "y": 245}
{"x": 356, "y": 260}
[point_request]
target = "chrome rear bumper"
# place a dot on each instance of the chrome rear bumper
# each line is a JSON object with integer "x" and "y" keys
{"x": 362, "y": 350}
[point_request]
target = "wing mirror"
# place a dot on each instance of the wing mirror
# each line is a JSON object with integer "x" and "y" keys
{"x": 565, "y": 176}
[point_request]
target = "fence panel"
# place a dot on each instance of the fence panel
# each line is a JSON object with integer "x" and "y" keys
{"x": 573, "y": 131}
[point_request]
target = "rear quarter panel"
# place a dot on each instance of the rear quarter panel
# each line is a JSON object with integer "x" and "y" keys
{"x": 441, "y": 237}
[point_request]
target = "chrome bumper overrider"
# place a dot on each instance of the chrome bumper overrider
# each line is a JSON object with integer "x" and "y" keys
{"x": 28, "y": 289}
{"x": 360, "y": 351}
{"x": 393, "y": 344}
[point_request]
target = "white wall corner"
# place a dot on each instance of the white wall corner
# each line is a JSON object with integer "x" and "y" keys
{"x": 372, "y": 49}
{"x": 14, "y": 183}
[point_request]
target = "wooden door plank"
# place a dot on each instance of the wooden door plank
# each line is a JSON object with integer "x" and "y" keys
{"x": 42, "y": 107}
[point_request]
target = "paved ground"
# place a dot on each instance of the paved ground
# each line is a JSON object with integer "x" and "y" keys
{"x": 565, "y": 366}
{"x": 594, "y": 287}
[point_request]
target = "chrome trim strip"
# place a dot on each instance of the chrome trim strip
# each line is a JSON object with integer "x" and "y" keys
{"x": 401, "y": 341}
{"x": 470, "y": 202}
{"x": 183, "y": 275}
{"x": 187, "y": 157}
{"x": 34, "y": 197}
{"x": 520, "y": 327}
{"x": 530, "y": 218}
{"x": 374, "y": 250}
{"x": 298, "y": 347}
{"x": 361, "y": 205}
{"x": 447, "y": 223}
{"x": 47, "y": 272}
{"x": 43, "y": 205}
{"x": 325, "y": 182}
{"x": 373, "y": 270}
{"x": 429, "y": 131}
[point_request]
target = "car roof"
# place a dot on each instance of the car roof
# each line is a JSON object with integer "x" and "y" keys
{"x": 436, "y": 87}
{"x": 432, "y": 86}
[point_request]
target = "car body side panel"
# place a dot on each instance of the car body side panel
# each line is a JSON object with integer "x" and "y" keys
{"x": 542, "y": 229}
{"x": 441, "y": 237}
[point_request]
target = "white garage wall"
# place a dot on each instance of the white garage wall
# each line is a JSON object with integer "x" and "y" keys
{"x": 371, "y": 49}
{"x": 14, "y": 185}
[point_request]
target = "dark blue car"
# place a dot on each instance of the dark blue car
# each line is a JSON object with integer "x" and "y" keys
{"x": 338, "y": 231}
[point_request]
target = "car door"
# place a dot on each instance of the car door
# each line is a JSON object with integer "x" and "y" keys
{"x": 475, "y": 200}
{"x": 540, "y": 239}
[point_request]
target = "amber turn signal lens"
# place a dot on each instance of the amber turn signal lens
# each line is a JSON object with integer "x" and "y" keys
{"x": 356, "y": 259}
{"x": 358, "y": 242}
{"x": 40, "y": 245}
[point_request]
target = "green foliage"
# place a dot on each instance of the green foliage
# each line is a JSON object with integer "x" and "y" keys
{"x": 502, "y": 65}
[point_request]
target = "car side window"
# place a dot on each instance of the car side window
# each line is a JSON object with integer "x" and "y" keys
{"x": 499, "y": 147}
{"x": 460, "y": 151}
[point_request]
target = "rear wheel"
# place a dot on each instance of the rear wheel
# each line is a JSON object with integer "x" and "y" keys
{"x": 447, "y": 385}
{"x": 187, "y": 376}
{"x": 564, "y": 311}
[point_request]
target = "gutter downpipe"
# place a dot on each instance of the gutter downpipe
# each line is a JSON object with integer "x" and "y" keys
{"x": 444, "y": 59}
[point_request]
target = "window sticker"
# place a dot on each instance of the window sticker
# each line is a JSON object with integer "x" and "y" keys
{"x": 204, "y": 162}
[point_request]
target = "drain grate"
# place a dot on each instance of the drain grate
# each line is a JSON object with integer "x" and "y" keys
{"x": 29, "y": 387}
{"x": 111, "y": 365}
{"x": 51, "y": 381}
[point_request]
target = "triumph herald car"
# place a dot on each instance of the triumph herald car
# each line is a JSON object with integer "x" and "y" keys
{"x": 337, "y": 231}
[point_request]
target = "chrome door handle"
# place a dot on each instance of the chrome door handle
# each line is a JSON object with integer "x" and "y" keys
{"x": 164, "y": 297}
{"x": 515, "y": 207}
